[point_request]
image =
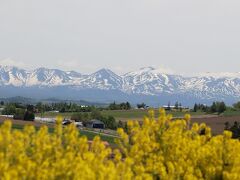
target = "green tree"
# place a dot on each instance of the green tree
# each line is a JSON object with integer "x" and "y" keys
{"x": 128, "y": 106}
{"x": 96, "y": 114}
{"x": 113, "y": 106}
{"x": 10, "y": 109}
{"x": 195, "y": 107}
{"x": 213, "y": 108}
{"x": 237, "y": 105}
{"x": 19, "y": 114}
{"x": 176, "y": 105}
{"x": 221, "y": 107}
{"x": 110, "y": 122}
{"x": 78, "y": 117}
{"x": 81, "y": 117}
{"x": 29, "y": 116}
{"x": 40, "y": 108}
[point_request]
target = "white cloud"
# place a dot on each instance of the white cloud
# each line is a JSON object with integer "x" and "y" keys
{"x": 11, "y": 62}
{"x": 165, "y": 70}
{"x": 76, "y": 65}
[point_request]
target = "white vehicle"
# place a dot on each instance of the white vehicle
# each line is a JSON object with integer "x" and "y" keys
{"x": 78, "y": 124}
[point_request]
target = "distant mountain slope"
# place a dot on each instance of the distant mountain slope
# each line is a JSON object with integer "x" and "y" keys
{"x": 102, "y": 79}
{"x": 146, "y": 84}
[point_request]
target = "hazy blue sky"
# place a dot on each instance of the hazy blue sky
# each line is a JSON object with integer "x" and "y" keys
{"x": 187, "y": 36}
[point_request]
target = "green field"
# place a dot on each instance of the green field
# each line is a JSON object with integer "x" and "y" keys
{"x": 231, "y": 113}
{"x": 124, "y": 114}
{"x": 54, "y": 114}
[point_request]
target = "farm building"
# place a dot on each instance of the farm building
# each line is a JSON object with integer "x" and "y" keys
{"x": 172, "y": 108}
{"x": 95, "y": 124}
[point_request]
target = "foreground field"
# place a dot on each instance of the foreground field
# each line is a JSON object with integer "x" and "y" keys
{"x": 158, "y": 149}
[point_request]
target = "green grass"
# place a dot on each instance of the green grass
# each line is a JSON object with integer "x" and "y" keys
{"x": 231, "y": 113}
{"x": 126, "y": 113}
{"x": 54, "y": 114}
{"x": 181, "y": 114}
{"x": 136, "y": 114}
{"x": 89, "y": 135}
{"x": 123, "y": 114}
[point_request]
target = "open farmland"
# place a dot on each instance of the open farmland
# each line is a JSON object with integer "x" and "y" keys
{"x": 217, "y": 123}
{"x": 123, "y": 114}
{"x": 214, "y": 121}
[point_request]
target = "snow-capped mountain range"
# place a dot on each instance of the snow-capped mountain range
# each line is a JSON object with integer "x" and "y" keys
{"x": 146, "y": 84}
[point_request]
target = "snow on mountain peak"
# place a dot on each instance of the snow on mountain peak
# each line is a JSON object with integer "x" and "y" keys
{"x": 152, "y": 70}
{"x": 105, "y": 72}
{"x": 102, "y": 79}
{"x": 145, "y": 81}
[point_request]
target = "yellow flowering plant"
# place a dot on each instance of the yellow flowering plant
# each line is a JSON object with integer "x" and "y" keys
{"x": 159, "y": 148}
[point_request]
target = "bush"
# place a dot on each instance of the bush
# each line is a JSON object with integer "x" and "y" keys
{"x": 29, "y": 116}
{"x": 110, "y": 122}
{"x": 20, "y": 113}
{"x": 78, "y": 117}
{"x": 96, "y": 114}
{"x": 237, "y": 105}
{"x": 218, "y": 107}
{"x": 81, "y": 117}
{"x": 10, "y": 109}
{"x": 157, "y": 149}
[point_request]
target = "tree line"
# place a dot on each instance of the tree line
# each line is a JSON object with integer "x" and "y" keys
{"x": 24, "y": 112}
{"x": 216, "y": 107}
{"x": 121, "y": 106}
{"x": 79, "y": 113}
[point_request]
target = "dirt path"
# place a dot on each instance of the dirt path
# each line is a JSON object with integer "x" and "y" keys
{"x": 21, "y": 122}
{"x": 217, "y": 123}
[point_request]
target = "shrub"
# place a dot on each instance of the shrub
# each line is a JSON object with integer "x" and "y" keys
{"x": 81, "y": 117}
{"x": 110, "y": 122}
{"x": 29, "y": 116}
{"x": 157, "y": 149}
{"x": 77, "y": 117}
{"x": 10, "y": 109}
{"x": 19, "y": 114}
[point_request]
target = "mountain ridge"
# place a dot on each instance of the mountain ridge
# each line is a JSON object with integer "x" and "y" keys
{"x": 145, "y": 82}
